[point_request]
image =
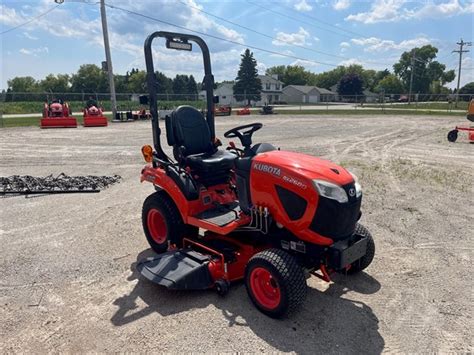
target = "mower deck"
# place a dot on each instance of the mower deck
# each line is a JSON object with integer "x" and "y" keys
{"x": 62, "y": 122}
{"x": 184, "y": 269}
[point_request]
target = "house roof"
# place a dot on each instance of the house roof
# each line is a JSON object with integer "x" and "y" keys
{"x": 305, "y": 89}
{"x": 269, "y": 78}
{"x": 326, "y": 91}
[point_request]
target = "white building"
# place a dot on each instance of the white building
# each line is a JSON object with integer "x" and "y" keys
{"x": 307, "y": 94}
{"x": 272, "y": 90}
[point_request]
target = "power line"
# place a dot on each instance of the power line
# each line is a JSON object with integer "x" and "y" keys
{"x": 297, "y": 19}
{"x": 220, "y": 38}
{"x": 30, "y": 20}
{"x": 274, "y": 38}
{"x": 261, "y": 33}
{"x": 321, "y": 21}
{"x": 460, "y": 51}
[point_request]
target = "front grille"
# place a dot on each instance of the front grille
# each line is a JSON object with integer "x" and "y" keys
{"x": 336, "y": 220}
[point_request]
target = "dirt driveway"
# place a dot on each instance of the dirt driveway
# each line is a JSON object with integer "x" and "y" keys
{"x": 67, "y": 277}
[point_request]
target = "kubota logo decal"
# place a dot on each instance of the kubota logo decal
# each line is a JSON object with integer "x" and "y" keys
{"x": 267, "y": 169}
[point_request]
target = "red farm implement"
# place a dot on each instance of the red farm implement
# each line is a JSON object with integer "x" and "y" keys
{"x": 94, "y": 116}
{"x": 56, "y": 114}
{"x": 453, "y": 134}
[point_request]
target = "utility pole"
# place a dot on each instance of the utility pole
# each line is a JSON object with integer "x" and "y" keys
{"x": 460, "y": 51}
{"x": 108, "y": 58}
{"x": 411, "y": 75}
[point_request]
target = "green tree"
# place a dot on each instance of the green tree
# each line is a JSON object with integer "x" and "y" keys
{"x": 426, "y": 69}
{"x": 391, "y": 85}
{"x": 164, "y": 85}
{"x": 330, "y": 78}
{"x": 23, "y": 84}
{"x": 467, "y": 89}
{"x": 137, "y": 82}
{"x": 380, "y": 75}
{"x": 121, "y": 83}
{"x": 247, "y": 84}
{"x": 55, "y": 83}
{"x": 350, "y": 84}
{"x": 191, "y": 88}
{"x": 89, "y": 78}
{"x": 279, "y": 70}
{"x": 179, "y": 86}
{"x": 291, "y": 74}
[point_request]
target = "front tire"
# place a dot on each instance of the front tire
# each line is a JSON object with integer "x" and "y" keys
{"x": 275, "y": 283}
{"x": 361, "y": 264}
{"x": 162, "y": 222}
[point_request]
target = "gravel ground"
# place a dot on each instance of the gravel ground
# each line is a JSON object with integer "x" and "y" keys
{"x": 67, "y": 277}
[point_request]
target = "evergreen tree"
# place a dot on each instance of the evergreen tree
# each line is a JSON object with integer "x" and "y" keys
{"x": 164, "y": 85}
{"x": 179, "y": 86}
{"x": 248, "y": 85}
{"x": 191, "y": 88}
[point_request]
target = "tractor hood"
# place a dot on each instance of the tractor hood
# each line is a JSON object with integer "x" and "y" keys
{"x": 297, "y": 164}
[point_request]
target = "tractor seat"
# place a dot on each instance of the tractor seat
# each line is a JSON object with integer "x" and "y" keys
{"x": 188, "y": 133}
{"x": 220, "y": 160}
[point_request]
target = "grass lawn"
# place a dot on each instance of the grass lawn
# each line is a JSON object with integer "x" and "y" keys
{"x": 35, "y": 121}
{"x": 462, "y": 105}
{"x": 25, "y": 107}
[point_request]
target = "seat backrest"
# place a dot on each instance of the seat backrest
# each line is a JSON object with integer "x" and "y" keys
{"x": 186, "y": 127}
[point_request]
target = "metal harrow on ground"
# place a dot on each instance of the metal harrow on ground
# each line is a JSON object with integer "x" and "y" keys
{"x": 26, "y": 184}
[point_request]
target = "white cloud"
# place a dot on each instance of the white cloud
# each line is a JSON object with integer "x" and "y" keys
{"x": 316, "y": 39}
{"x": 305, "y": 63}
{"x": 344, "y": 46}
{"x": 127, "y": 33}
{"x": 8, "y": 16}
{"x": 380, "y": 11}
{"x": 299, "y": 38}
{"x": 446, "y": 9}
{"x": 27, "y": 35}
{"x": 374, "y": 44}
{"x": 34, "y": 51}
{"x": 341, "y": 4}
{"x": 303, "y": 6}
{"x": 393, "y": 11}
{"x": 350, "y": 61}
{"x": 261, "y": 68}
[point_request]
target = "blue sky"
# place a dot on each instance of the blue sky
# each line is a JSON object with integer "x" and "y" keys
{"x": 372, "y": 33}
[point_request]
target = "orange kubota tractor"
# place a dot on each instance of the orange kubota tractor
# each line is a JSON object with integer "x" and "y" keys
{"x": 56, "y": 114}
{"x": 269, "y": 217}
{"x": 93, "y": 115}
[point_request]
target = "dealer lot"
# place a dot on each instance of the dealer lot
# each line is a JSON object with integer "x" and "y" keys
{"x": 67, "y": 277}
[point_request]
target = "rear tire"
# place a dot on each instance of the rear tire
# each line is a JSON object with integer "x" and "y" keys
{"x": 366, "y": 260}
{"x": 162, "y": 222}
{"x": 453, "y": 135}
{"x": 275, "y": 283}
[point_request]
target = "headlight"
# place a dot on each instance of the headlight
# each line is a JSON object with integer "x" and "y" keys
{"x": 357, "y": 185}
{"x": 330, "y": 190}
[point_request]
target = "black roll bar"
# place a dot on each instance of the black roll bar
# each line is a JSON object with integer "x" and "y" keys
{"x": 151, "y": 82}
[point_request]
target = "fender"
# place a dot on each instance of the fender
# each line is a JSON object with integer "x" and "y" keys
{"x": 220, "y": 194}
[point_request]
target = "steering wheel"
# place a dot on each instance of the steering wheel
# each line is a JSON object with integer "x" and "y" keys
{"x": 245, "y": 136}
